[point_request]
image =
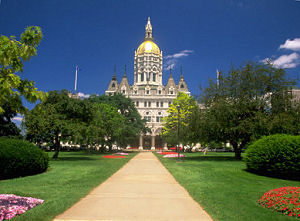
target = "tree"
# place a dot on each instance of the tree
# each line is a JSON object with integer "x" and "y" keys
{"x": 133, "y": 123}
{"x": 13, "y": 54}
{"x": 237, "y": 107}
{"x": 7, "y": 127}
{"x": 187, "y": 106}
{"x": 58, "y": 118}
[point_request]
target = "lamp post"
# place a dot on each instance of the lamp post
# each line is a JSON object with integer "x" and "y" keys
{"x": 178, "y": 133}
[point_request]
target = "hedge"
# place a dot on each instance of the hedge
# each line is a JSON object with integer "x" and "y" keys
{"x": 21, "y": 158}
{"x": 275, "y": 155}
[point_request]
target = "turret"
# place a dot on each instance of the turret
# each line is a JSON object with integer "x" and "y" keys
{"x": 113, "y": 85}
{"x": 124, "y": 87}
{"x": 148, "y": 34}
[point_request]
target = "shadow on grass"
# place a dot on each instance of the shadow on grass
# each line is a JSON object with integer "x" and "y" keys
{"x": 210, "y": 158}
{"x": 71, "y": 159}
{"x": 293, "y": 176}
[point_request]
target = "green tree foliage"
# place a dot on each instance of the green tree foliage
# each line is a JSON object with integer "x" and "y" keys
{"x": 239, "y": 107}
{"x": 133, "y": 124}
{"x": 187, "y": 107}
{"x": 13, "y": 54}
{"x": 7, "y": 127}
{"x": 59, "y": 118}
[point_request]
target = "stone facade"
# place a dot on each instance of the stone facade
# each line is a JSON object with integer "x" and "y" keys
{"x": 148, "y": 93}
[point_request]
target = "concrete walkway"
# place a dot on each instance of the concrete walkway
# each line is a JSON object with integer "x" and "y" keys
{"x": 142, "y": 190}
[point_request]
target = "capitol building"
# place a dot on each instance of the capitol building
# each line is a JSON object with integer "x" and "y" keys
{"x": 148, "y": 93}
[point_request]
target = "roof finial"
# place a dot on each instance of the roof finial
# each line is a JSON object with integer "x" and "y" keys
{"x": 125, "y": 72}
{"x": 114, "y": 74}
{"x": 170, "y": 71}
{"x": 148, "y": 28}
{"x": 181, "y": 76}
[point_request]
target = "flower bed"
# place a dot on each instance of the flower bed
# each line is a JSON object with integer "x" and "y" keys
{"x": 164, "y": 153}
{"x": 173, "y": 155}
{"x": 113, "y": 156}
{"x": 12, "y": 205}
{"x": 121, "y": 153}
{"x": 285, "y": 200}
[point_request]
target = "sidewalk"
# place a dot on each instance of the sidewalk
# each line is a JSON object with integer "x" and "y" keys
{"x": 142, "y": 190}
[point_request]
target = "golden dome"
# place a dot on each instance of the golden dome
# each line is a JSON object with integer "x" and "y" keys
{"x": 148, "y": 47}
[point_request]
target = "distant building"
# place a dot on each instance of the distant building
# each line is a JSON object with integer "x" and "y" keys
{"x": 150, "y": 96}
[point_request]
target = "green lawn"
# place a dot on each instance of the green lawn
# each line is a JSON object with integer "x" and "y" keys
{"x": 67, "y": 180}
{"x": 220, "y": 184}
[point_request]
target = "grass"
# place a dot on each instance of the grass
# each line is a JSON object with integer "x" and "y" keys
{"x": 67, "y": 180}
{"x": 222, "y": 186}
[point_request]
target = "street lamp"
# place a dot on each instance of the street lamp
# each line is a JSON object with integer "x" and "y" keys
{"x": 178, "y": 130}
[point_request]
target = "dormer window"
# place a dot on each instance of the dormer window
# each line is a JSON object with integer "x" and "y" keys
{"x": 148, "y": 92}
{"x": 159, "y": 91}
{"x": 123, "y": 91}
{"x": 171, "y": 92}
{"x": 182, "y": 86}
{"x": 113, "y": 85}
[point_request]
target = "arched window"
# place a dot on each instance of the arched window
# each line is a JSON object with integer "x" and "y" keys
{"x": 182, "y": 86}
{"x": 142, "y": 76}
{"x": 154, "y": 77}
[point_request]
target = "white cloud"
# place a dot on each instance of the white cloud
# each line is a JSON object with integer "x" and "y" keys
{"x": 291, "y": 44}
{"x": 285, "y": 61}
{"x": 180, "y": 54}
{"x": 17, "y": 118}
{"x": 171, "y": 60}
{"x": 82, "y": 95}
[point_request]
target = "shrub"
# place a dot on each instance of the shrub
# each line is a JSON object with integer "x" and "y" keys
{"x": 21, "y": 158}
{"x": 276, "y": 155}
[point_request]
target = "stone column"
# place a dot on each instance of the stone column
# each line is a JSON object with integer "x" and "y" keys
{"x": 165, "y": 146}
{"x": 141, "y": 142}
{"x": 152, "y": 142}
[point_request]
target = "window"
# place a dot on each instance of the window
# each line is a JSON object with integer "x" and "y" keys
{"x": 147, "y": 118}
{"x": 169, "y": 103}
{"x": 171, "y": 92}
{"x": 157, "y": 104}
{"x": 162, "y": 104}
{"x": 142, "y": 76}
{"x": 154, "y": 77}
{"x": 159, "y": 113}
{"x": 113, "y": 85}
{"x": 145, "y": 104}
{"x": 182, "y": 86}
{"x": 137, "y": 103}
{"x": 148, "y": 92}
{"x": 123, "y": 91}
{"x": 135, "y": 92}
{"x": 149, "y": 104}
{"x": 159, "y": 92}
{"x": 158, "y": 119}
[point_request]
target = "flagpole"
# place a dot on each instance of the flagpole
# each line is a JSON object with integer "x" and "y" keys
{"x": 75, "y": 87}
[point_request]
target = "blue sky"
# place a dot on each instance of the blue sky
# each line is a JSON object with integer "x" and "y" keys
{"x": 201, "y": 36}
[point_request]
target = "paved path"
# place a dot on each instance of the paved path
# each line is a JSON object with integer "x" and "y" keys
{"x": 142, "y": 190}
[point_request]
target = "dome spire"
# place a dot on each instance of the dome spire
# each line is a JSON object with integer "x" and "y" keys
{"x": 148, "y": 28}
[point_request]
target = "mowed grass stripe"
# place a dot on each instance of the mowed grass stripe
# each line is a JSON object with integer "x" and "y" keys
{"x": 67, "y": 180}
{"x": 222, "y": 186}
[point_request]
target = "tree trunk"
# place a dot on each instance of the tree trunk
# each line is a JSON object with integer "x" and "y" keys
{"x": 57, "y": 147}
{"x": 237, "y": 150}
